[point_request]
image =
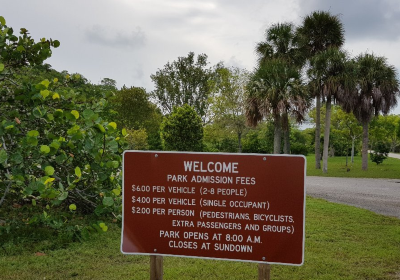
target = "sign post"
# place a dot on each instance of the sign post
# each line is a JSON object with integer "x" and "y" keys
{"x": 243, "y": 207}
{"x": 156, "y": 267}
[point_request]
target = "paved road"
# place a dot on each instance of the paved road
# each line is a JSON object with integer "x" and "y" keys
{"x": 394, "y": 155}
{"x": 378, "y": 195}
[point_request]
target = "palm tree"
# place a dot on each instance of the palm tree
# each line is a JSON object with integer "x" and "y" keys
{"x": 376, "y": 91}
{"x": 318, "y": 32}
{"x": 281, "y": 46}
{"x": 275, "y": 90}
{"x": 328, "y": 75}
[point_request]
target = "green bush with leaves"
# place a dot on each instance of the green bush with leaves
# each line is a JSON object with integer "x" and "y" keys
{"x": 55, "y": 148}
{"x": 380, "y": 152}
{"x": 182, "y": 130}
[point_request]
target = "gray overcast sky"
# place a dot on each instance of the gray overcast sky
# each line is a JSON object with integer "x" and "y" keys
{"x": 128, "y": 40}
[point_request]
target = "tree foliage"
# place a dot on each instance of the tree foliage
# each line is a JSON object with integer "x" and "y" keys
{"x": 135, "y": 112}
{"x": 182, "y": 130}
{"x": 228, "y": 103}
{"x": 184, "y": 81}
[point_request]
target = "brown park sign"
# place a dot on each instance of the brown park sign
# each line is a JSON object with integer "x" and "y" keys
{"x": 246, "y": 207}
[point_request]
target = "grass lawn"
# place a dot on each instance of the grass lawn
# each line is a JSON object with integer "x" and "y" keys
{"x": 390, "y": 168}
{"x": 342, "y": 242}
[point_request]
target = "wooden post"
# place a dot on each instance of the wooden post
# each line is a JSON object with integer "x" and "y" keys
{"x": 156, "y": 267}
{"x": 264, "y": 270}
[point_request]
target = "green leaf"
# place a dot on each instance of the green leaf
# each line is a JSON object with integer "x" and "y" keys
{"x": 113, "y": 146}
{"x": 46, "y": 83}
{"x": 44, "y": 93}
{"x": 17, "y": 158}
{"x": 49, "y": 180}
{"x": 50, "y": 117}
{"x": 20, "y": 48}
{"x": 108, "y": 201}
{"x": 63, "y": 196}
{"x": 2, "y": 21}
{"x": 55, "y": 144}
{"x": 1, "y": 67}
{"x": 3, "y": 157}
{"x": 49, "y": 170}
{"x": 28, "y": 191}
{"x": 75, "y": 113}
{"x": 58, "y": 113}
{"x": 56, "y": 43}
{"x": 124, "y": 133}
{"x": 112, "y": 125}
{"x": 72, "y": 207}
{"x": 103, "y": 226}
{"x": 117, "y": 192}
{"x": 45, "y": 149}
{"x": 101, "y": 128}
{"x": 78, "y": 172}
{"x": 112, "y": 164}
{"x": 33, "y": 133}
{"x": 56, "y": 96}
{"x": 33, "y": 202}
{"x": 32, "y": 141}
{"x": 61, "y": 158}
{"x": 87, "y": 114}
{"x": 37, "y": 112}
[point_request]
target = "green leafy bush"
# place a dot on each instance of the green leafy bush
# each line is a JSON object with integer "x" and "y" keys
{"x": 56, "y": 150}
{"x": 182, "y": 130}
{"x": 380, "y": 152}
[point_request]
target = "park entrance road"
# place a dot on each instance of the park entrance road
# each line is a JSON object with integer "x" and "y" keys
{"x": 381, "y": 196}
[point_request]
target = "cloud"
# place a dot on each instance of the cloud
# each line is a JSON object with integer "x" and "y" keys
{"x": 362, "y": 19}
{"x": 102, "y": 36}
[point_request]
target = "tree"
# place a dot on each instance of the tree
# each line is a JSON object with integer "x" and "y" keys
{"x": 182, "y": 130}
{"x": 260, "y": 139}
{"x": 386, "y": 129}
{"x": 137, "y": 139}
{"x": 184, "y": 81}
{"x": 228, "y": 103}
{"x": 136, "y": 112}
{"x": 318, "y": 32}
{"x": 275, "y": 89}
{"x": 346, "y": 126}
{"x": 219, "y": 139}
{"x": 281, "y": 43}
{"x": 376, "y": 92}
{"x": 328, "y": 75}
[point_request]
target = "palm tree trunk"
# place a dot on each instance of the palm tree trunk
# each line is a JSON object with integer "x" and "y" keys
{"x": 277, "y": 135}
{"x": 364, "y": 151}
{"x": 286, "y": 141}
{"x": 326, "y": 134}
{"x": 239, "y": 142}
{"x": 318, "y": 133}
{"x": 286, "y": 134}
